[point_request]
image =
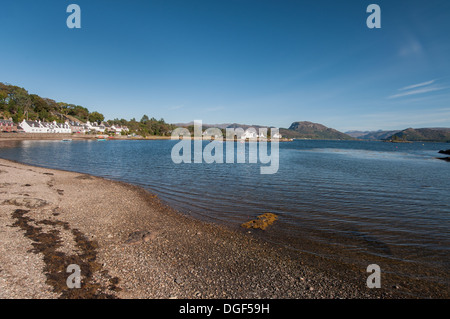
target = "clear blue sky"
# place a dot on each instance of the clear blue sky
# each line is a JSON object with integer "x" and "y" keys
{"x": 245, "y": 61}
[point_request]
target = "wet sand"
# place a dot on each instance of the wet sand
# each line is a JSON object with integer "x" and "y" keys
{"x": 129, "y": 244}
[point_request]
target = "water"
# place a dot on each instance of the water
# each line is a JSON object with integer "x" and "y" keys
{"x": 361, "y": 202}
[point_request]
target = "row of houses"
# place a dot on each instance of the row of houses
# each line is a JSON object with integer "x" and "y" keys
{"x": 54, "y": 127}
{"x": 77, "y": 127}
{"x": 103, "y": 127}
{"x": 7, "y": 126}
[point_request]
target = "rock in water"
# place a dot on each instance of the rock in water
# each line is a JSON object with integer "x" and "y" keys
{"x": 262, "y": 222}
{"x": 444, "y": 152}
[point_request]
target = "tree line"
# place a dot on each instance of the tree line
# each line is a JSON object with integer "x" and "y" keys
{"x": 17, "y": 104}
{"x": 146, "y": 126}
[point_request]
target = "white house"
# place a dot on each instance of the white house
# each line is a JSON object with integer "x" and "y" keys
{"x": 54, "y": 127}
{"x": 33, "y": 127}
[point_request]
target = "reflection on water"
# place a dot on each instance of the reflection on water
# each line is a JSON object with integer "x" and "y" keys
{"x": 367, "y": 154}
{"x": 385, "y": 200}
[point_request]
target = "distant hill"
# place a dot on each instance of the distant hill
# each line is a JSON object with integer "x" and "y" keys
{"x": 357, "y": 134}
{"x": 313, "y": 131}
{"x": 305, "y": 129}
{"x": 205, "y": 125}
{"x": 422, "y": 135}
{"x": 245, "y": 126}
{"x": 372, "y": 135}
{"x": 222, "y": 126}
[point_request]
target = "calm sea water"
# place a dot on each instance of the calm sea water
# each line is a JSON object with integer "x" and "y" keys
{"x": 359, "y": 201}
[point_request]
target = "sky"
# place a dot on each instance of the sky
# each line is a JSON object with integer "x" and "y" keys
{"x": 261, "y": 62}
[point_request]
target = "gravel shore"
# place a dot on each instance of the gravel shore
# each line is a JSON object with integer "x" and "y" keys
{"x": 128, "y": 244}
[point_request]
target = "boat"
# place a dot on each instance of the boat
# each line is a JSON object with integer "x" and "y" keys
{"x": 67, "y": 140}
{"x": 101, "y": 137}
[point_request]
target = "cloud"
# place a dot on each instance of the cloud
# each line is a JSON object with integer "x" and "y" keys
{"x": 413, "y": 47}
{"x": 418, "y": 91}
{"x": 417, "y": 85}
{"x": 419, "y": 88}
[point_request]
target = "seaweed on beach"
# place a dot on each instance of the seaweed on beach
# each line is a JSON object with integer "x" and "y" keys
{"x": 56, "y": 262}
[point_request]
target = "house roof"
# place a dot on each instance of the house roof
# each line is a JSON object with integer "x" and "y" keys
{"x": 32, "y": 123}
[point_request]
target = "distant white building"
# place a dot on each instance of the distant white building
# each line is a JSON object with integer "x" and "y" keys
{"x": 45, "y": 127}
{"x": 276, "y": 135}
{"x": 95, "y": 127}
{"x": 212, "y": 133}
{"x": 249, "y": 134}
{"x": 118, "y": 129}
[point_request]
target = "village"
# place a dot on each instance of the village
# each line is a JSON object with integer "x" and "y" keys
{"x": 104, "y": 128}
{"x": 68, "y": 127}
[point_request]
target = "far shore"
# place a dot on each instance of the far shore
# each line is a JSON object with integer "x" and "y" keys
{"x": 54, "y": 136}
{"x": 129, "y": 244}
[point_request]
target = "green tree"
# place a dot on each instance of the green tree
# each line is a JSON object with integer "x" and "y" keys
{"x": 144, "y": 119}
{"x": 96, "y": 117}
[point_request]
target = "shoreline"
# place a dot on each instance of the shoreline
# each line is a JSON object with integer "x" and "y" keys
{"x": 76, "y": 137}
{"x": 129, "y": 244}
{"x": 80, "y": 137}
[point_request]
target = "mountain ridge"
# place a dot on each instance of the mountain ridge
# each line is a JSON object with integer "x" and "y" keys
{"x": 422, "y": 135}
{"x": 372, "y": 135}
{"x": 310, "y": 130}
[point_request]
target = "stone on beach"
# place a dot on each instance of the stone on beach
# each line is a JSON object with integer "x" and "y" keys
{"x": 138, "y": 236}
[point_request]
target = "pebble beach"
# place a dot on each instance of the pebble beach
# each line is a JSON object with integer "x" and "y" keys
{"x": 129, "y": 244}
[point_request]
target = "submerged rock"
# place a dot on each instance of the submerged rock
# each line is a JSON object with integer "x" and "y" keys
{"x": 447, "y": 159}
{"x": 262, "y": 222}
{"x": 444, "y": 152}
{"x": 84, "y": 177}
